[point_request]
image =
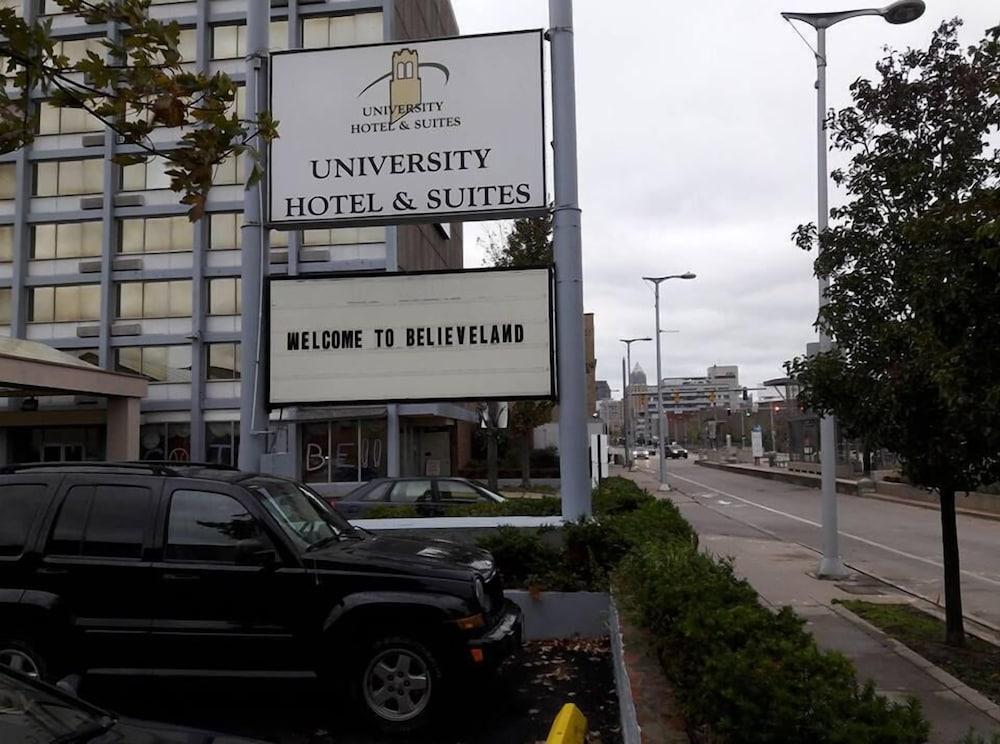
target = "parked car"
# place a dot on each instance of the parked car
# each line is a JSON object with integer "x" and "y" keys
{"x": 430, "y": 496}
{"x": 194, "y": 569}
{"x": 32, "y": 712}
{"x": 675, "y": 452}
{"x": 639, "y": 454}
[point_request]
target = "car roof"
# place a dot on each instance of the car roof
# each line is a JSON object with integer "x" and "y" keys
{"x": 201, "y": 471}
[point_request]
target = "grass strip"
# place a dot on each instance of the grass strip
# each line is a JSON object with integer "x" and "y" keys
{"x": 976, "y": 664}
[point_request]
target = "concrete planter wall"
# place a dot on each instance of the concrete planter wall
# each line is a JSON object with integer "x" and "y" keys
{"x": 555, "y": 615}
{"x": 551, "y": 615}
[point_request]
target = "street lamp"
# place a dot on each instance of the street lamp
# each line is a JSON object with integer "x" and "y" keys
{"x": 902, "y": 11}
{"x": 657, "y": 281}
{"x": 628, "y": 393}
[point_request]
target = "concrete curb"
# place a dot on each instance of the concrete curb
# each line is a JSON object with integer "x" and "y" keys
{"x": 631, "y": 732}
{"x": 926, "y": 505}
{"x": 977, "y": 700}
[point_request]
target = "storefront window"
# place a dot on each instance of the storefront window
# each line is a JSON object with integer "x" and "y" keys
{"x": 222, "y": 442}
{"x": 343, "y": 451}
{"x": 165, "y": 441}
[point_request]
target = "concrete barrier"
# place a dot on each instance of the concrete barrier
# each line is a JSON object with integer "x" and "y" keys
{"x": 844, "y": 485}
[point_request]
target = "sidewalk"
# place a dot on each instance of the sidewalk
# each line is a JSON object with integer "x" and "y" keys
{"x": 782, "y": 574}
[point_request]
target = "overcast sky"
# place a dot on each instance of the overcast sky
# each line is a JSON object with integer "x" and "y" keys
{"x": 697, "y": 153}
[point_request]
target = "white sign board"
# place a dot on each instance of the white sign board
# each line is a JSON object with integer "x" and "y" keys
{"x": 409, "y": 131}
{"x": 757, "y": 442}
{"x": 469, "y": 335}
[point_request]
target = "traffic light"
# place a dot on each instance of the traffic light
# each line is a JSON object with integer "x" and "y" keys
{"x": 746, "y": 394}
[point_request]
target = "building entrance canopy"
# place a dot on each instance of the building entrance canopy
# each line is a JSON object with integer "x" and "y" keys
{"x": 30, "y": 369}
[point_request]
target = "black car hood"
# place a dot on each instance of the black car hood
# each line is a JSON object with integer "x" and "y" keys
{"x": 405, "y": 555}
{"x": 128, "y": 731}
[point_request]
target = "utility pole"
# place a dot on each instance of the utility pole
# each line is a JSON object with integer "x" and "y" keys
{"x": 656, "y": 282}
{"x": 574, "y": 444}
{"x": 254, "y": 419}
{"x": 625, "y": 422}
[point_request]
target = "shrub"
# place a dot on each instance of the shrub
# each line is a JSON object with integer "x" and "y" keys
{"x": 745, "y": 673}
{"x": 521, "y": 555}
{"x": 617, "y": 494}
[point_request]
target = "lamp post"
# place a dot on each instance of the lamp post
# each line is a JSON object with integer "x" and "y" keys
{"x": 656, "y": 282}
{"x": 628, "y": 395}
{"x": 902, "y": 11}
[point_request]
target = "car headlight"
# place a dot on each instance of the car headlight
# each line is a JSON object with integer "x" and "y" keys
{"x": 480, "y": 589}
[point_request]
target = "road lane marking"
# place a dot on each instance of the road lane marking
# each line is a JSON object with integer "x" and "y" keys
{"x": 860, "y": 539}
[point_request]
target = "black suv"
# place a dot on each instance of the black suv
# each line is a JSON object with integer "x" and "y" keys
{"x": 198, "y": 570}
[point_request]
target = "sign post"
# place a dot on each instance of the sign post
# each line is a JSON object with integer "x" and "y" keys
{"x": 567, "y": 248}
{"x": 429, "y": 131}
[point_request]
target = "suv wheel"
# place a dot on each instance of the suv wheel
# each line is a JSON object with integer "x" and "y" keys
{"x": 400, "y": 683}
{"x": 22, "y": 657}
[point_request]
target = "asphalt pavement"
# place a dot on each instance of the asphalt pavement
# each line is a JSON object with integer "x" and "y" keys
{"x": 898, "y": 543}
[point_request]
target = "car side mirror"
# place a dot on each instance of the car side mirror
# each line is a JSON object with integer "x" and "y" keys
{"x": 253, "y": 552}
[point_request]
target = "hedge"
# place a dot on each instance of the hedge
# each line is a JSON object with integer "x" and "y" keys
{"x": 742, "y": 673}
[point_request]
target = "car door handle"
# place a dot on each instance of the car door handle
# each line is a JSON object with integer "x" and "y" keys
{"x": 180, "y": 577}
{"x": 49, "y": 571}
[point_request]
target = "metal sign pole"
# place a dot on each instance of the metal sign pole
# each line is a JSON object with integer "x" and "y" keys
{"x": 573, "y": 445}
{"x": 253, "y": 250}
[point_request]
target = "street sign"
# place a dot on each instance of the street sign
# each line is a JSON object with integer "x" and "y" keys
{"x": 437, "y": 336}
{"x": 757, "y": 442}
{"x": 410, "y": 131}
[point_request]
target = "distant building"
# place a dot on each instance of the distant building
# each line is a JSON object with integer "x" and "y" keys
{"x": 591, "y": 362}
{"x": 719, "y": 388}
{"x": 603, "y": 390}
{"x": 611, "y": 412}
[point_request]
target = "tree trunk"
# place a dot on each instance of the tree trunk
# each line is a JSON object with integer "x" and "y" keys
{"x": 491, "y": 445}
{"x": 526, "y": 442}
{"x": 866, "y": 460}
{"x": 955, "y": 633}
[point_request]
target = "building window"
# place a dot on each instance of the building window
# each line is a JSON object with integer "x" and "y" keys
{"x": 154, "y": 299}
{"x": 230, "y": 42}
{"x": 343, "y": 451}
{"x": 222, "y": 442}
{"x": 147, "y": 176}
{"x": 224, "y": 231}
{"x": 169, "y": 442}
{"x": 66, "y": 303}
{"x": 64, "y": 120}
{"x": 6, "y": 243}
{"x": 224, "y": 296}
{"x": 223, "y": 361}
{"x": 76, "y": 50}
{"x": 156, "y": 235}
{"x": 67, "y": 240}
{"x": 277, "y": 239}
{"x": 69, "y": 177}
{"x": 229, "y": 172}
{"x": 333, "y": 31}
{"x": 344, "y": 236}
{"x": 5, "y": 303}
{"x": 155, "y": 363}
{"x": 8, "y": 181}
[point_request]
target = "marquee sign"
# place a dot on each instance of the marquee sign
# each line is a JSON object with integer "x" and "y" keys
{"x": 454, "y": 335}
{"x": 431, "y": 131}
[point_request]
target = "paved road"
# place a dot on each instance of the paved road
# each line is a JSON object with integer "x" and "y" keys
{"x": 898, "y": 543}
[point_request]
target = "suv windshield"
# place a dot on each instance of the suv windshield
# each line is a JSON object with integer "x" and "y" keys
{"x": 302, "y": 514}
